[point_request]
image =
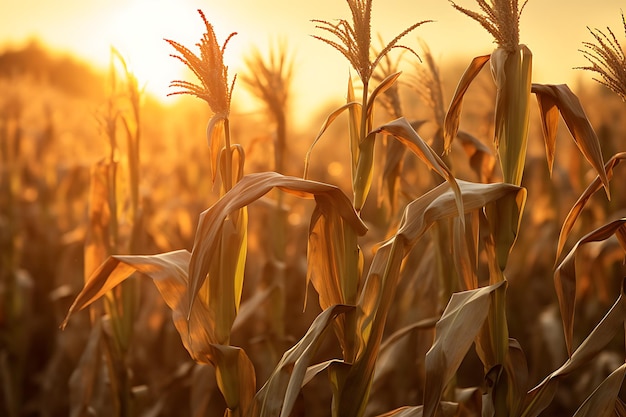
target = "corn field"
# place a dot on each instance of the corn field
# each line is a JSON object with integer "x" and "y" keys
{"x": 445, "y": 242}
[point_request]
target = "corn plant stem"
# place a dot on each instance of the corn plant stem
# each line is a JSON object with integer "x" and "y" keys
{"x": 278, "y": 306}
{"x": 350, "y": 292}
{"x": 122, "y": 302}
{"x": 120, "y": 381}
{"x": 133, "y": 168}
{"x": 363, "y": 130}
{"x": 279, "y": 238}
{"x": 228, "y": 159}
{"x": 357, "y": 388}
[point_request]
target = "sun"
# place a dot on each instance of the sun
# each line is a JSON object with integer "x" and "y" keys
{"x": 137, "y": 30}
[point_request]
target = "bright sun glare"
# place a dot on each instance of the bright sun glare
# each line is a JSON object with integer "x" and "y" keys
{"x": 138, "y": 29}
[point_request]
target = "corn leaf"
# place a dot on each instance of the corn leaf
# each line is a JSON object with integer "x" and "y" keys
{"x": 331, "y": 118}
{"x": 620, "y": 408}
{"x": 235, "y": 377}
{"x": 314, "y": 370}
{"x": 601, "y": 403}
{"x": 169, "y": 273}
{"x": 440, "y": 203}
{"x": 565, "y": 276}
{"x": 541, "y": 396}
{"x": 505, "y": 217}
{"x": 453, "y": 115}
{"x": 481, "y": 158}
{"x": 388, "y": 182}
{"x": 221, "y": 291}
{"x": 335, "y": 264}
{"x": 517, "y": 370}
{"x": 578, "y": 207}
{"x": 549, "y": 113}
{"x": 381, "y": 88}
{"x": 278, "y": 395}
{"x": 84, "y": 379}
{"x": 355, "y": 126}
{"x": 215, "y": 135}
{"x": 246, "y": 191}
{"x": 402, "y": 130}
{"x": 378, "y": 293}
{"x": 576, "y": 120}
{"x": 455, "y": 333}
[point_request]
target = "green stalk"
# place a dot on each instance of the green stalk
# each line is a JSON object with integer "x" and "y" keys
{"x": 228, "y": 158}
{"x": 362, "y": 178}
{"x": 512, "y": 73}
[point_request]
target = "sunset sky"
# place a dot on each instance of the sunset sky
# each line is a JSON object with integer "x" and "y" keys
{"x": 553, "y": 29}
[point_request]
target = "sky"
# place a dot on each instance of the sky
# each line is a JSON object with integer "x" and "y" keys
{"x": 553, "y": 29}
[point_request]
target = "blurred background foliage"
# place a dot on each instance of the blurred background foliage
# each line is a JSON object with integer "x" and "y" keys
{"x": 51, "y": 137}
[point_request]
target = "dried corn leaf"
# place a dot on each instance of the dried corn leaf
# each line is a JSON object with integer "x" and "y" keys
{"x": 453, "y": 115}
{"x": 565, "y": 277}
{"x": 355, "y": 112}
{"x": 331, "y": 118}
{"x": 215, "y": 135}
{"x": 221, "y": 291}
{"x": 384, "y": 85}
{"x": 388, "y": 182}
{"x": 549, "y": 113}
{"x": 313, "y": 370}
{"x": 373, "y": 307}
{"x": 169, "y": 273}
{"x": 620, "y": 408}
{"x": 481, "y": 159}
{"x": 541, "y": 396}
{"x": 505, "y": 216}
{"x": 235, "y": 377}
{"x": 517, "y": 369}
{"x": 335, "y": 265}
{"x": 248, "y": 190}
{"x": 440, "y": 203}
{"x": 601, "y": 403}
{"x": 576, "y": 120}
{"x": 455, "y": 333}
{"x": 578, "y": 207}
{"x": 84, "y": 380}
{"x": 378, "y": 293}
{"x": 278, "y": 395}
{"x": 402, "y": 130}
{"x": 327, "y": 258}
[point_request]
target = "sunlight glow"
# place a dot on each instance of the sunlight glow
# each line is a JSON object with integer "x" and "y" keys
{"x": 138, "y": 29}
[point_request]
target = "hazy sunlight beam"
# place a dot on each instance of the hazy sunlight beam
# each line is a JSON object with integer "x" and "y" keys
{"x": 138, "y": 29}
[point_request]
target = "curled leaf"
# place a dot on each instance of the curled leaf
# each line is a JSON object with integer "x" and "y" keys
{"x": 278, "y": 395}
{"x": 451, "y": 121}
{"x": 455, "y": 332}
{"x": 560, "y": 96}
{"x": 565, "y": 276}
{"x": 246, "y": 191}
{"x": 578, "y": 207}
{"x": 541, "y": 396}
